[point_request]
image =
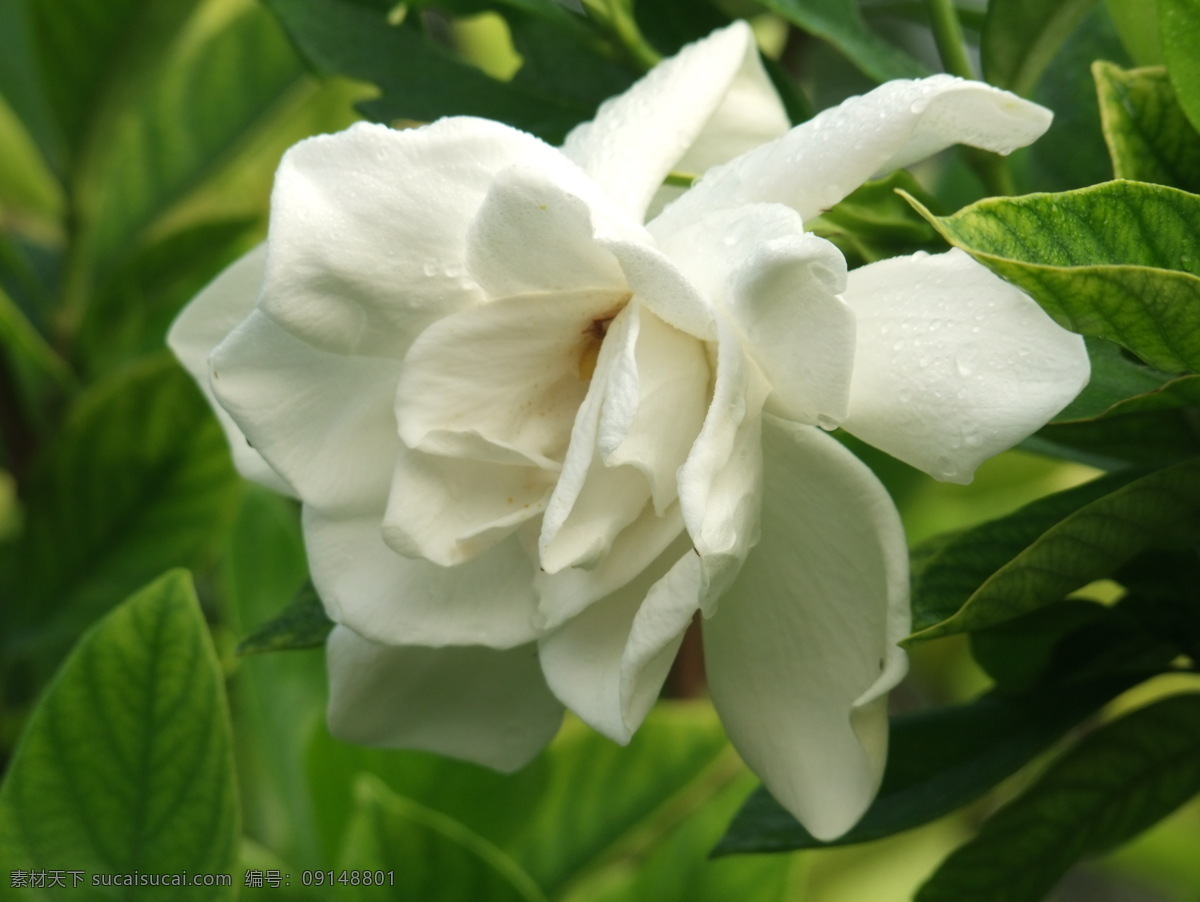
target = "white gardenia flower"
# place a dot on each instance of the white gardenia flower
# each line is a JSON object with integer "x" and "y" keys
{"x": 535, "y": 433}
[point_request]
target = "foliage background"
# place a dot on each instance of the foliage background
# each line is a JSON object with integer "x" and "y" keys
{"x": 138, "y": 142}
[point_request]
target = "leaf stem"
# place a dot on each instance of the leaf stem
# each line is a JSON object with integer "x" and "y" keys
{"x": 947, "y": 32}
{"x": 617, "y": 16}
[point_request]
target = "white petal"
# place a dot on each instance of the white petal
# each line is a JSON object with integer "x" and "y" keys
{"x": 592, "y": 503}
{"x": 201, "y": 326}
{"x": 565, "y": 593}
{"x": 658, "y": 283}
{"x": 449, "y": 510}
{"x": 383, "y": 596}
{"x": 609, "y": 663}
{"x": 818, "y": 163}
{"x": 803, "y": 645}
{"x": 368, "y": 233}
{"x": 536, "y": 233}
{"x": 720, "y": 483}
{"x": 781, "y": 285}
{"x": 503, "y": 381}
{"x": 954, "y": 364}
{"x": 482, "y": 705}
{"x": 655, "y": 403}
{"x": 709, "y": 103}
{"x": 323, "y": 421}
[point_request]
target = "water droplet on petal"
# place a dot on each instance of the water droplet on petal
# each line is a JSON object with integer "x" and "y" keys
{"x": 966, "y": 359}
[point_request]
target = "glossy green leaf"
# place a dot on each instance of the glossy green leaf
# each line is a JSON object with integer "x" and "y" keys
{"x": 1179, "y": 24}
{"x": 1149, "y": 138}
{"x": 1116, "y": 378}
{"x": 139, "y": 480}
{"x": 1125, "y": 400}
{"x": 1137, "y": 24}
{"x": 938, "y": 760}
{"x": 1021, "y": 37}
{"x": 422, "y": 854}
{"x": 126, "y": 766}
{"x": 420, "y": 80}
{"x": 302, "y": 624}
{"x": 1118, "y": 781}
{"x": 841, "y": 24}
{"x": 1123, "y": 264}
{"x": 1070, "y": 641}
{"x": 189, "y": 121}
{"x": 1049, "y": 548}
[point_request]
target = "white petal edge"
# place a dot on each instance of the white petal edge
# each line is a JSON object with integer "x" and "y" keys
{"x": 324, "y": 421}
{"x": 536, "y": 229}
{"x": 478, "y": 704}
{"x": 781, "y": 286}
{"x": 819, "y": 162}
{"x": 395, "y": 600}
{"x": 803, "y": 646}
{"x": 368, "y": 232}
{"x": 202, "y": 325}
{"x": 503, "y": 381}
{"x": 707, "y": 104}
{"x": 954, "y": 364}
{"x": 609, "y": 663}
{"x": 720, "y": 483}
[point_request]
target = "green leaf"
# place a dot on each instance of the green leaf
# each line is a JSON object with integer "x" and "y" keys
{"x": 126, "y": 766}
{"x": 1116, "y": 378}
{"x": 1117, "y": 260}
{"x": 1137, "y": 24}
{"x": 1179, "y": 22}
{"x": 574, "y": 817}
{"x": 302, "y": 624}
{"x": 20, "y": 83}
{"x": 1069, "y": 641}
{"x": 28, "y": 349}
{"x": 601, "y": 799}
{"x": 1039, "y": 554}
{"x": 938, "y": 761}
{"x": 423, "y": 854}
{"x": 85, "y": 58}
{"x": 419, "y": 79}
{"x": 671, "y": 866}
{"x": 1107, "y": 424}
{"x": 1149, "y": 138}
{"x": 841, "y": 24}
{"x": 190, "y": 121}
{"x": 1072, "y": 154}
{"x": 1118, "y": 781}
{"x": 1021, "y": 37}
{"x": 138, "y": 480}
{"x": 277, "y": 699}
{"x": 131, "y": 314}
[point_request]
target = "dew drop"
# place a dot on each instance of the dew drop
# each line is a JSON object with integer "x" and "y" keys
{"x": 966, "y": 359}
